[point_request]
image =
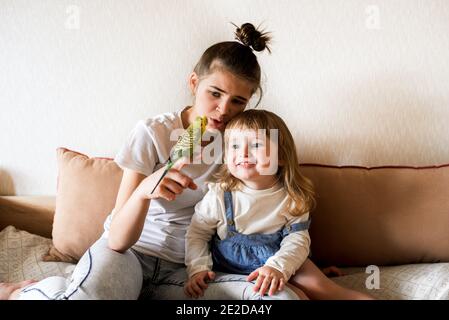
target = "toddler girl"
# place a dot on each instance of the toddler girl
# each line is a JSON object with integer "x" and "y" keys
{"x": 254, "y": 218}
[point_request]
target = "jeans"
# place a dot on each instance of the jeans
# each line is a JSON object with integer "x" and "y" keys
{"x": 104, "y": 274}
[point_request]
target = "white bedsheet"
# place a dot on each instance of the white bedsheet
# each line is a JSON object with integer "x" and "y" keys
{"x": 429, "y": 281}
{"x": 21, "y": 257}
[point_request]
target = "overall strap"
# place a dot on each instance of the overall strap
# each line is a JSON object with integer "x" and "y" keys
{"x": 300, "y": 226}
{"x": 229, "y": 211}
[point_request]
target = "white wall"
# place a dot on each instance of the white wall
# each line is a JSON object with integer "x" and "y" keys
{"x": 359, "y": 82}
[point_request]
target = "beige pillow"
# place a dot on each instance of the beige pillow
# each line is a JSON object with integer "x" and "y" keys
{"x": 86, "y": 193}
{"x": 381, "y": 216}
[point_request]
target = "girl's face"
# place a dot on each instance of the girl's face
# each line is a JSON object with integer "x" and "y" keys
{"x": 249, "y": 159}
{"x": 219, "y": 96}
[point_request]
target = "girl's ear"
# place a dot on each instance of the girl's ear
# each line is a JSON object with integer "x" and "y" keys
{"x": 193, "y": 82}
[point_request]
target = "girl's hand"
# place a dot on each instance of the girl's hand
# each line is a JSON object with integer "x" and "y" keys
{"x": 196, "y": 285}
{"x": 170, "y": 186}
{"x": 267, "y": 278}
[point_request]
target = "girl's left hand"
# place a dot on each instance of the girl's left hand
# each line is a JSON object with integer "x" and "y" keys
{"x": 267, "y": 278}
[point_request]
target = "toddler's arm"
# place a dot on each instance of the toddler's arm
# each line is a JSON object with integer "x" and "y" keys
{"x": 295, "y": 248}
{"x": 202, "y": 227}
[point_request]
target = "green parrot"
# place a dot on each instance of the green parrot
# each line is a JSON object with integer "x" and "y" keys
{"x": 185, "y": 145}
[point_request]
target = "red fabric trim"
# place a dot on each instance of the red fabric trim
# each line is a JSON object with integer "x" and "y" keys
{"x": 372, "y": 168}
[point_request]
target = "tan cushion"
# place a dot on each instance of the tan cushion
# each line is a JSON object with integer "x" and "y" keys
{"x": 382, "y": 216}
{"x": 86, "y": 193}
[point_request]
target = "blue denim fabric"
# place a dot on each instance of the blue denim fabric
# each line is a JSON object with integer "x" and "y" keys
{"x": 242, "y": 254}
{"x": 103, "y": 274}
{"x": 225, "y": 286}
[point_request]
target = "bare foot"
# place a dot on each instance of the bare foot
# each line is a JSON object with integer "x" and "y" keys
{"x": 332, "y": 271}
{"x": 10, "y": 291}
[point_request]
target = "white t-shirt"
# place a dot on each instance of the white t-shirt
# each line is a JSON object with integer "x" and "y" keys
{"x": 146, "y": 150}
{"x": 255, "y": 211}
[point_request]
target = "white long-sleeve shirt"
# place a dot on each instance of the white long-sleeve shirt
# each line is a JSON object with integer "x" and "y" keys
{"x": 255, "y": 211}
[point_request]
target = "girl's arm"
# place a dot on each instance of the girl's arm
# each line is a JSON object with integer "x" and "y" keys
{"x": 133, "y": 201}
{"x": 129, "y": 213}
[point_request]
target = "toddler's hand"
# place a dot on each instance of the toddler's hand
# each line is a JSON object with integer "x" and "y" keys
{"x": 196, "y": 285}
{"x": 267, "y": 278}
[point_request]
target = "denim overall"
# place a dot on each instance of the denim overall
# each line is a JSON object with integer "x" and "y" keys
{"x": 242, "y": 254}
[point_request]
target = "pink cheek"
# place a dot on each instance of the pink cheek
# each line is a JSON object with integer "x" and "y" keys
{"x": 233, "y": 165}
{"x": 211, "y": 102}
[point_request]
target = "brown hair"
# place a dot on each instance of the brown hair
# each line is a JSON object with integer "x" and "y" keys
{"x": 299, "y": 188}
{"x": 236, "y": 56}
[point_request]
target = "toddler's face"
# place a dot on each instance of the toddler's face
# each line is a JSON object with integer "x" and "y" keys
{"x": 220, "y": 96}
{"x": 249, "y": 159}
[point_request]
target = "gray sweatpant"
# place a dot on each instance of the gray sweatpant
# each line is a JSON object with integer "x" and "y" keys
{"x": 105, "y": 274}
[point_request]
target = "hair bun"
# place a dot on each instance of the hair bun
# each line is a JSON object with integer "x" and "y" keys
{"x": 251, "y": 37}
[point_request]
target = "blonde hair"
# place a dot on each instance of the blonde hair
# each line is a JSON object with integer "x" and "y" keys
{"x": 301, "y": 197}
